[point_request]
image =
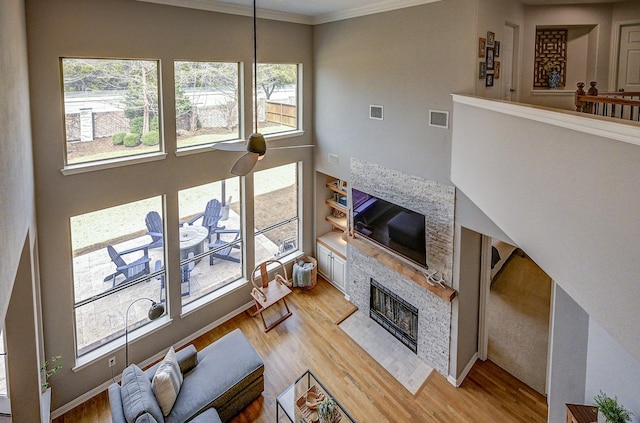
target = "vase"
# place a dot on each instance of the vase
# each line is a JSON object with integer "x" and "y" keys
{"x": 554, "y": 80}
{"x": 602, "y": 418}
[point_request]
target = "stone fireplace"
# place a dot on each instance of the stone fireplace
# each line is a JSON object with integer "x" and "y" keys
{"x": 394, "y": 314}
{"x": 429, "y": 335}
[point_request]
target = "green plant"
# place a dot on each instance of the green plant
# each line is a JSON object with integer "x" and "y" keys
{"x": 132, "y": 140}
{"x": 118, "y": 138}
{"x": 327, "y": 410}
{"x": 50, "y": 371}
{"x": 151, "y": 138}
{"x": 611, "y": 409}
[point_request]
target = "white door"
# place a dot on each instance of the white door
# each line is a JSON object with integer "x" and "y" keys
{"x": 4, "y": 396}
{"x": 506, "y": 63}
{"x": 629, "y": 58}
{"x": 324, "y": 261}
{"x": 339, "y": 273}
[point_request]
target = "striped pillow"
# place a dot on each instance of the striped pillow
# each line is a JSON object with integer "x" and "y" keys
{"x": 167, "y": 381}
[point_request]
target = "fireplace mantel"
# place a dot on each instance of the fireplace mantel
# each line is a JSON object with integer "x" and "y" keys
{"x": 397, "y": 265}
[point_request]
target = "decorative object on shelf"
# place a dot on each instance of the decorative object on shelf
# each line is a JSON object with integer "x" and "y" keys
{"x": 434, "y": 279}
{"x": 328, "y": 411}
{"x": 314, "y": 397}
{"x": 156, "y": 310}
{"x": 48, "y": 371}
{"x": 482, "y": 45}
{"x": 609, "y": 410}
{"x": 256, "y": 146}
{"x": 491, "y": 37}
{"x": 554, "y": 80}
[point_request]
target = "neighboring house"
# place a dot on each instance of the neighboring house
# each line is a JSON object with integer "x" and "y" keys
{"x": 410, "y": 61}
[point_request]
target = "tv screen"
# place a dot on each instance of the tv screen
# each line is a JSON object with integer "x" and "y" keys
{"x": 390, "y": 225}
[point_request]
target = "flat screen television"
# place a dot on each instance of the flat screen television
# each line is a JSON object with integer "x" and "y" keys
{"x": 390, "y": 225}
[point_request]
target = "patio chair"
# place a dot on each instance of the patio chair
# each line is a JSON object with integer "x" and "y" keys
{"x": 185, "y": 278}
{"x": 154, "y": 229}
{"x": 210, "y": 217}
{"x": 130, "y": 271}
{"x": 224, "y": 253}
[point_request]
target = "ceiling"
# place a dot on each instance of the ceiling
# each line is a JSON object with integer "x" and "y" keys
{"x": 315, "y": 12}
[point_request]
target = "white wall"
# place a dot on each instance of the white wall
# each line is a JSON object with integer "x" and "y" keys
{"x": 17, "y": 209}
{"x": 612, "y": 370}
{"x": 568, "y": 358}
{"x": 566, "y": 197}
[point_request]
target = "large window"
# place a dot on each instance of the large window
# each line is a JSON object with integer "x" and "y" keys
{"x": 276, "y": 211}
{"x": 207, "y": 106}
{"x": 4, "y": 396}
{"x": 118, "y": 257}
{"x": 110, "y": 108}
{"x": 278, "y": 103}
{"x": 210, "y": 238}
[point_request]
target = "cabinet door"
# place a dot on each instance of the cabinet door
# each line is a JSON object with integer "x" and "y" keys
{"x": 339, "y": 273}
{"x": 324, "y": 261}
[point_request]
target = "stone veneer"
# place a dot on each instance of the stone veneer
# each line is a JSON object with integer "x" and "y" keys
{"x": 436, "y": 202}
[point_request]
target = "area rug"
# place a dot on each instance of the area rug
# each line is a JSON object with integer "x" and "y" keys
{"x": 390, "y": 353}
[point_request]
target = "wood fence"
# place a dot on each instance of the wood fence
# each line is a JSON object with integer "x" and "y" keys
{"x": 282, "y": 114}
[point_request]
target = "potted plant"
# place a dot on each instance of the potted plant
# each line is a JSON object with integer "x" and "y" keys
{"x": 48, "y": 371}
{"x": 328, "y": 411}
{"x": 609, "y": 410}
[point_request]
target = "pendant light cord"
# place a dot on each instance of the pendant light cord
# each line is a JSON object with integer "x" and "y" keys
{"x": 255, "y": 68}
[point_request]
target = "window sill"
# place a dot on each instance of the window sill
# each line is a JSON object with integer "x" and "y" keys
{"x": 110, "y": 347}
{"x": 201, "y": 302}
{"x": 284, "y": 135}
{"x": 113, "y": 163}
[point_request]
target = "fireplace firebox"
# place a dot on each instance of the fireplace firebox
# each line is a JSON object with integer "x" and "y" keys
{"x": 394, "y": 314}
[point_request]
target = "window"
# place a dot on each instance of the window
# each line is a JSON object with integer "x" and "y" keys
{"x": 277, "y": 98}
{"x": 210, "y": 238}
{"x": 4, "y": 396}
{"x": 207, "y": 106}
{"x": 115, "y": 262}
{"x": 110, "y": 108}
{"x": 276, "y": 211}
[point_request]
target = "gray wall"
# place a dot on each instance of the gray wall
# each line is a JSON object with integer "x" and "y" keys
{"x": 17, "y": 209}
{"x": 612, "y": 370}
{"x": 132, "y": 29}
{"x": 568, "y": 359}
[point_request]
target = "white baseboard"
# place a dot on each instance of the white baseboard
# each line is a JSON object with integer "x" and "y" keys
{"x": 458, "y": 381}
{"x": 102, "y": 387}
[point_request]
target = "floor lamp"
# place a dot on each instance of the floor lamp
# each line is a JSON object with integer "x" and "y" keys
{"x": 156, "y": 310}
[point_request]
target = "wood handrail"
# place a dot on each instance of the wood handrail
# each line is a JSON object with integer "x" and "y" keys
{"x": 604, "y": 103}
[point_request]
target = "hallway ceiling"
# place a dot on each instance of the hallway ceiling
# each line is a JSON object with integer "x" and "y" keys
{"x": 322, "y": 11}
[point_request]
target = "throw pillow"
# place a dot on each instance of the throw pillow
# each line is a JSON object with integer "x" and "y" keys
{"x": 137, "y": 395}
{"x": 167, "y": 381}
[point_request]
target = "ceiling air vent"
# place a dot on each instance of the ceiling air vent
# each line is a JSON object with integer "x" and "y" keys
{"x": 439, "y": 119}
{"x": 376, "y": 112}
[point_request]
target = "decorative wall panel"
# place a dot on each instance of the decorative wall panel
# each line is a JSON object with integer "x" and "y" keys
{"x": 550, "y": 54}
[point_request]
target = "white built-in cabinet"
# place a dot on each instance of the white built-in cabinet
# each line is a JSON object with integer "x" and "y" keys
{"x": 332, "y": 266}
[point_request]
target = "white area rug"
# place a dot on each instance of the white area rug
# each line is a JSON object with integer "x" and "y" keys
{"x": 394, "y": 356}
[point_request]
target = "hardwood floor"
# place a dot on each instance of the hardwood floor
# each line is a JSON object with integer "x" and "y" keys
{"x": 311, "y": 339}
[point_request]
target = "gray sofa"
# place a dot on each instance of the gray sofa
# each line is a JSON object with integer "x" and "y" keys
{"x": 219, "y": 382}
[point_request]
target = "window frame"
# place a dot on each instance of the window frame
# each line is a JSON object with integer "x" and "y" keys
{"x": 299, "y": 129}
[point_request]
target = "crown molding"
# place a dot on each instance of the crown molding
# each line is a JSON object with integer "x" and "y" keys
{"x": 234, "y": 9}
{"x": 378, "y": 7}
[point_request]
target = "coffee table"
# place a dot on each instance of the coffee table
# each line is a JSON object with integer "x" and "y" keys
{"x": 292, "y": 400}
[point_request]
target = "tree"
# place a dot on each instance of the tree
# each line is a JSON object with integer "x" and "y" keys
{"x": 275, "y": 76}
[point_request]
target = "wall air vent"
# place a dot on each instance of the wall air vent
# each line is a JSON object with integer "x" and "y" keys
{"x": 439, "y": 119}
{"x": 376, "y": 112}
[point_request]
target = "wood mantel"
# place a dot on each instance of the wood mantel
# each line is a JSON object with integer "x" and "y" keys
{"x": 397, "y": 265}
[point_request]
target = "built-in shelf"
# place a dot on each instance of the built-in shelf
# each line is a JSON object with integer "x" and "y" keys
{"x": 336, "y": 242}
{"x": 398, "y": 265}
{"x": 338, "y": 222}
{"x": 333, "y": 186}
{"x": 336, "y": 205}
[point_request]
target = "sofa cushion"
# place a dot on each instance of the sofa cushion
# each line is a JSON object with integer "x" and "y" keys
{"x": 209, "y": 416}
{"x": 146, "y": 418}
{"x": 137, "y": 395}
{"x": 167, "y": 382}
{"x": 225, "y": 368}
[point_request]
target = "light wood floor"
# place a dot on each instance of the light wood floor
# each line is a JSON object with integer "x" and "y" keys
{"x": 311, "y": 339}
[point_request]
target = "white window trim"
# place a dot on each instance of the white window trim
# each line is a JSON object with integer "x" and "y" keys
{"x": 112, "y": 163}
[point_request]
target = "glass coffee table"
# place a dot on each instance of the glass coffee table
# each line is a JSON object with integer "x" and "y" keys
{"x": 292, "y": 401}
